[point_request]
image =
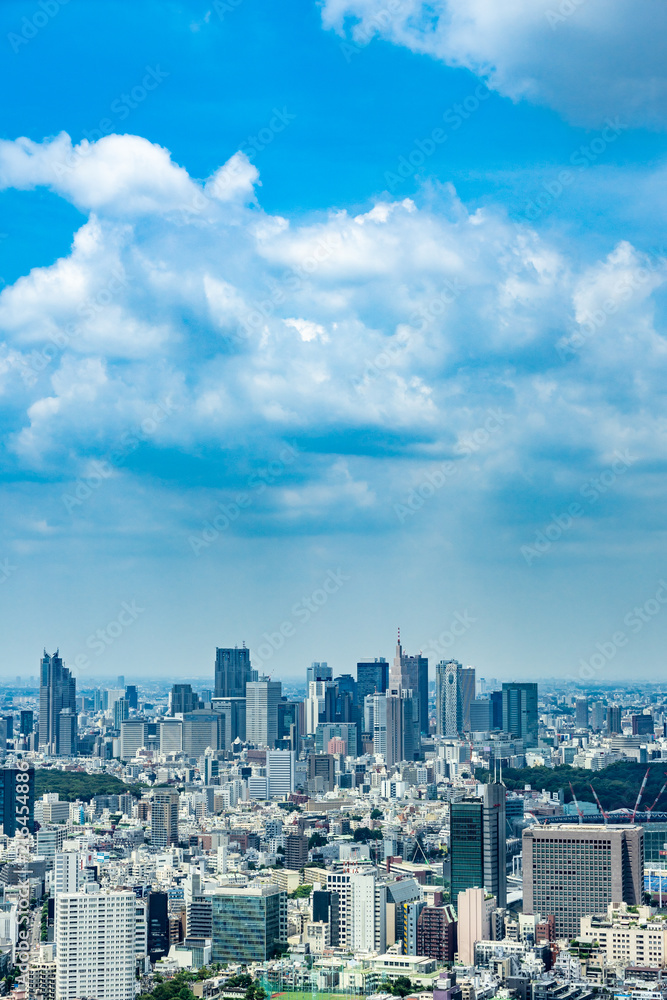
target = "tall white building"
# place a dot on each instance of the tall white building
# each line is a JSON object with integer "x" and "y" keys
{"x": 315, "y": 704}
{"x": 367, "y": 929}
{"x": 95, "y": 945}
{"x": 132, "y": 737}
{"x": 279, "y": 773}
{"x": 262, "y": 698}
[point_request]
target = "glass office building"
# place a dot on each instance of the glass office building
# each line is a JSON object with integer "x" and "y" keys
{"x": 249, "y": 924}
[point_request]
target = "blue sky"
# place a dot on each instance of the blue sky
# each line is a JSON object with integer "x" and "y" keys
{"x": 397, "y": 360}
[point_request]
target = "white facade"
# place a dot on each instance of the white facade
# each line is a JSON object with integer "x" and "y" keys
{"x": 367, "y": 914}
{"x": 279, "y": 773}
{"x": 95, "y": 945}
{"x": 132, "y": 737}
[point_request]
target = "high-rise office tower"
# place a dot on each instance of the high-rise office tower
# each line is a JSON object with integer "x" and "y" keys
{"x": 67, "y": 733}
{"x": 171, "y": 736}
{"x": 395, "y": 726}
{"x": 27, "y": 723}
{"x": 581, "y": 713}
{"x": 372, "y": 676}
{"x": 319, "y": 704}
{"x": 95, "y": 945}
{"x": 132, "y": 696}
{"x": 183, "y": 699}
{"x": 57, "y": 690}
{"x": 378, "y": 710}
{"x": 262, "y": 699}
{"x": 318, "y": 671}
{"x": 477, "y": 843}
{"x": 480, "y": 715}
{"x": 597, "y": 715}
{"x": 232, "y": 672}
{"x": 132, "y": 737}
{"x": 573, "y": 871}
{"x": 233, "y": 725}
{"x": 614, "y": 719}
{"x": 249, "y": 924}
{"x": 467, "y": 685}
{"x": 520, "y": 712}
{"x": 201, "y": 729}
{"x": 449, "y": 706}
{"x": 410, "y": 673}
{"x": 280, "y": 766}
{"x": 164, "y": 818}
{"x": 121, "y": 711}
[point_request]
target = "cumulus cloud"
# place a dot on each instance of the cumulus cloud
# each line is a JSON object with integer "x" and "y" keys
{"x": 587, "y": 59}
{"x": 381, "y": 345}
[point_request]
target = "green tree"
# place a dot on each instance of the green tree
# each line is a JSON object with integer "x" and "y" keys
{"x": 376, "y": 814}
{"x": 401, "y": 986}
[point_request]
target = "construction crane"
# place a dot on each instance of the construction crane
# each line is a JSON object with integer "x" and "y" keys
{"x": 576, "y": 804}
{"x": 655, "y": 801}
{"x": 641, "y": 792}
{"x": 606, "y": 815}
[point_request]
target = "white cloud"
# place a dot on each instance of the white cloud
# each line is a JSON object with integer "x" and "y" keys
{"x": 587, "y": 59}
{"x": 378, "y": 341}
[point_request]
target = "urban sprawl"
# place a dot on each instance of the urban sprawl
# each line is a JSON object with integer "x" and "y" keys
{"x": 368, "y": 836}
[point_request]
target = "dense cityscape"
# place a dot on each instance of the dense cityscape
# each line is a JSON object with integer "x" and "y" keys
{"x": 371, "y": 835}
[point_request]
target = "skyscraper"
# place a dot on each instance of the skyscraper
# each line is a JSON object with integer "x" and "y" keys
{"x": 183, "y": 699}
{"x": 95, "y": 945}
{"x": 164, "y": 818}
{"x": 318, "y": 671}
{"x": 581, "y": 713}
{"x": 467, "y": 684}
{"x": 520, "y": 712}
{"x": 57, "y": 690}
{"x": 262, "y": 698}
{"x": 410, "y": 673}
{"x": 201, "y": 729}
{"x": 573, "y": 871}
{"x": 232, "y": 672}
{"x": 477, "y": 843}
{"x": 614, "y": 719}
{"x": 449, "y": 706}
{"x": 372, "y": 676}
